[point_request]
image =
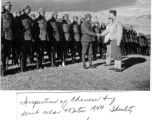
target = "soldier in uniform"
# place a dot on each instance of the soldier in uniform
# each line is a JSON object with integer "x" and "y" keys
{"x": 94, "y": 41}
{"x": 116, "y": 33}
{"x": 81, "y": 21}
{"x": 97, "y": 43}
{"x": 32, "y": 15}
{"x": 103, "y": 27}
{"x": 75, "y": 37}
{"x": 86, "y": 40}
{"x": 41, "y": 36}
{"x": 33, "y": 44}
{"x": 54, "y": 29}
{"x": 108, "y": 44}
{"x": 7, "y": 32}
{"x": 26, "y": 36}
{"x": 66, "y": 39}
{"x": 17, "y": 42}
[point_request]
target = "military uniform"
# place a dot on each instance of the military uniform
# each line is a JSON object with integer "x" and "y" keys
{"x": 76, "y": 38}
{"x": 26, "y": 36}
{"x": 41, "y": 36}
{"x": 103, "y": 46}
{"x": 108, "y": 45}
{"x": 86, "y": 40}
{"x": 116, "y": 33}
{"x": 55, "y": 38}
{"x": 97, "y": 42}
{"x": 66, "y": 40}
{"x": 8, "y": 33}
{"x": 17, "y": 42}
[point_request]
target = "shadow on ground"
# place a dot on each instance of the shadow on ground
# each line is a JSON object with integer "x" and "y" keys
{"x": 132, "y": 61}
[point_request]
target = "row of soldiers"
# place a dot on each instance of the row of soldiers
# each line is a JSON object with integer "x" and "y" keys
{"x": 26, "y": 35}
{"x": 133, "y": 43}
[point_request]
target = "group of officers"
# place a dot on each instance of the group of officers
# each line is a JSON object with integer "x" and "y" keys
{"x": 26, "y": 35}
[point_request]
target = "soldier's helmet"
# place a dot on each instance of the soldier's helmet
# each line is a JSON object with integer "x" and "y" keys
{"x": 82, "y": 19}
{"x": 41, "y": 10}
{"x": 26, "y": 7}
{"x": 75, "y": 17}
{"x": 5, "y": 3}
{"x": 54, "y": 13}
{"x": 66, "y": 15}
{"x": 18, "y": 11}
{"x": 32, "y": 15}
{"x": 102, "y": 24}
{"x": 96, "y": 22}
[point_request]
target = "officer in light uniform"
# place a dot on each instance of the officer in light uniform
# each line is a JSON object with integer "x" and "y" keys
{"x": 116, "y": 33}
{"x": 108, "y": 45}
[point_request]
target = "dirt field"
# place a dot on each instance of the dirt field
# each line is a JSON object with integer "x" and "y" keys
{"x": 135, "y": 76}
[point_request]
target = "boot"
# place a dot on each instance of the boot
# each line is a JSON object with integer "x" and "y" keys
{"x": 63, "y": 63}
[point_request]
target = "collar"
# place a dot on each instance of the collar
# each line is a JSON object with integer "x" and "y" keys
{"x": 114, "y": 21}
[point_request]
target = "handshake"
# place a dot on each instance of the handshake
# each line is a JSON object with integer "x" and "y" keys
{"x": 98, "y": 35}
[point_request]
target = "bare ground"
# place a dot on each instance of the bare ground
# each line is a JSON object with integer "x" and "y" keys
{"x": 135, "y": 76}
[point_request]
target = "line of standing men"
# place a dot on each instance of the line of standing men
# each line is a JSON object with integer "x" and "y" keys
{"x": 29, "y": 35}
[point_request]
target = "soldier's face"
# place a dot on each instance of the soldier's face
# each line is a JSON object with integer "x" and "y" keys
{"x": 76, "y": 20}
{"x": 8, "y": 7}
{"x": 42, "y": 13}
{"x": 111, "y": 15}
{"x": 18, "y": 14}
{"x": 27, "y": 11}
{"x": 89, "y": 19}
{"x": 66, "y": 18}
{"x": 56, "y": 16}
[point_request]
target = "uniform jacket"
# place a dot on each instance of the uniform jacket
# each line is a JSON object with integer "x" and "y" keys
{"x": 54, "y": 30}
{"x": 17, "y": 27}
{"x": 107, "y": 37}
{"x": 87, "y": 32}
{"x": 7, "y": 33}
{"x": 26, "y": 33}
{"x": 65, "y": 36}
{"x": 40, "y": 34}
{"x": 74, "y": 36}
{"x": 115, "y": 30}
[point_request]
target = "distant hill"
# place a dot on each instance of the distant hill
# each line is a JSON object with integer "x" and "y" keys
{"x": 145, "y": 16}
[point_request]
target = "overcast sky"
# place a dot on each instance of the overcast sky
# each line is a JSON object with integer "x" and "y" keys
{"x": 83, "y": 5}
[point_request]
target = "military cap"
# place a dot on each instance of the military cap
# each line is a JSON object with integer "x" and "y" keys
{"x": 18, "y": 11}
{"x": 66, "y": 15}
{"x": 96, "y": 22}
{"x": 5, "y": 3}
{"x": 32, "y": 15}
{"x": 26, "y": 7}
{"x": 75, "y": 17}
{"x": 113, "y": 12}
{"x": 87, "y": 16}
{"x": 41, "y": 10}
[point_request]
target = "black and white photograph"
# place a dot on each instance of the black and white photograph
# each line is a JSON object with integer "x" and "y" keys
{"x": 75, "y": 45}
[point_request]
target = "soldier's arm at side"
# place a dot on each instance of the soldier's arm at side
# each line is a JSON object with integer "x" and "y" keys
{"x": 119, "y": 33}
{"x": 87, "y": 31}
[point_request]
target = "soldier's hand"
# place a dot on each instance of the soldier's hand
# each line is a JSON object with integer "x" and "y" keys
{"x": 118, "y": 44}
{"x": 98, "y": 35}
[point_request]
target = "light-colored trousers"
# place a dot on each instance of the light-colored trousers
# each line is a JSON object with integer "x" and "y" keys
{"x": 108, "y": 54}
